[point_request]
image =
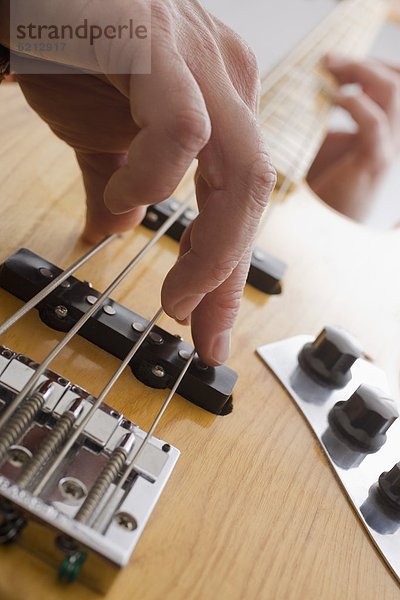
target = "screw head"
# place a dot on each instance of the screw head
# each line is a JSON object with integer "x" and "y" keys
{"x": 139, "y": 327}
{"x": 72, "y": 489}
{"x": 200, "y": 365}
{"x": 126, "y": 521}
{"x": 91, "y": 299}
{"x": 151, "y": 216}
{"x": 46, "y": 273}
{"x": 258, "y": 255}
{"x": 109, "y": 310}
{"x": 18, "y": 456}
{"x": 190, "y": 214}
{"x": 158, "y": 371}
{"x": 61, "y": 311}
{"x": 174, "y": 205}
{"x": 156, "y": 338}
{"x": 184, "y": 354}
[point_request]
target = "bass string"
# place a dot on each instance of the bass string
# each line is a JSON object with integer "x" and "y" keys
{"x": 54, "y": 283}
{"x": 72, "y": 439}
{"x": 108, "y": 511}
{"x": 99, "y": 302}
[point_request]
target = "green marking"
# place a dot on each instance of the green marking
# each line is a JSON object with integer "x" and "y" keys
{"x": 71, "y": 566}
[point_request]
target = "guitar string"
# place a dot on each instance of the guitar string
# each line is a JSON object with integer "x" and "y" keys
{"x": 99, "y": 302}
{"x": 54, "y": 283}
{"x": 108, "y": 509}
{"x": 71, "y": 440}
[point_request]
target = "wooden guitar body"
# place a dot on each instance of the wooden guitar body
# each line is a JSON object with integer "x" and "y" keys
{"x": 252, "y": 510}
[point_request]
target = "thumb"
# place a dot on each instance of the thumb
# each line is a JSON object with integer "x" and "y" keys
{"x": 96, "y": 171}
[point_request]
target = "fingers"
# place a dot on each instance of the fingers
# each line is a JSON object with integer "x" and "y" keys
{"x": 209, "y": 276}
{"x": 96, "y": 171}
{"x": 214, "y": 317}
{"x": 169, "y": 108}
{"x": 374, "y": 137}
{"x": 377, "y": 80}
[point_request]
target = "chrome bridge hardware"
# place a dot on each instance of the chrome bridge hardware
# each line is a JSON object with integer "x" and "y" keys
{"x": 344, "y": 398}
{"x": 115, "y": 329}
{"x": 266, "y": 271}
{"x": 46, "y": 523}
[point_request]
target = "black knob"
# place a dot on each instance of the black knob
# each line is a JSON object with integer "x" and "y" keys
{"x": 365, "y": 417}
{"x": 329, "y": 358}
{"x": 389, "y": 486}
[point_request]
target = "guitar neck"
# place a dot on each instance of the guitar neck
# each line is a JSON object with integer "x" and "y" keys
{"x": 296, "y": 101}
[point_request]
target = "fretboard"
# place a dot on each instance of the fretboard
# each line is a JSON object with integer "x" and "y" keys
{"x": 295, "y": 103}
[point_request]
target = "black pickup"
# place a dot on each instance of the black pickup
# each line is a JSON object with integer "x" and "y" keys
{"x": 266, "y": 271}
{"x": 115, "y": 328}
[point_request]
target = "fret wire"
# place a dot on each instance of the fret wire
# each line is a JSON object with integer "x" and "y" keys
{"x": 54, "y": 283}
{"x": 99, "y": 302}
{"x": 290, "y": 84}
{"x": 108, "y": 508}
{"x": 72, "y": 439}
{"x": 287, "y": 181}
{"x": 294, "y": 113}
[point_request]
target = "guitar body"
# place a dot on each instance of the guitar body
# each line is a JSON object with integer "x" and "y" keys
{"x": 252, "y": 510}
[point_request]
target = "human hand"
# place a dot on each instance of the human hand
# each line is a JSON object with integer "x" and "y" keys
{"x": 136, "y": 135}
{"x": 349, "y": 166}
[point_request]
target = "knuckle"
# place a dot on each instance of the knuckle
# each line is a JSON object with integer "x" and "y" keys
{"x": 209, "y": 46}
{"x": 191, "y": 130}
{"x": 161, "y": 16}
{"x": 220, "y": 271}
{"x": 251, "y": 65}
{"x": 262, "y": 179}
{"x": 228, "y": 304}
{"x": 245, "y": 57}
{"x": 376, "y": 124}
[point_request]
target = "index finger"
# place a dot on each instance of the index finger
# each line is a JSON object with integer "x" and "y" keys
{"x": 240, "y": 178}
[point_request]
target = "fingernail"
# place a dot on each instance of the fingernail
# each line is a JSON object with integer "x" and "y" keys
{"x": 184, "y": 308}
{"x": 186, "y": 321}
{"x": 221, "y": 347}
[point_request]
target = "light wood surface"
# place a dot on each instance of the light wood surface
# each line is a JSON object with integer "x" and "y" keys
{"x": 252, "y": 510}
